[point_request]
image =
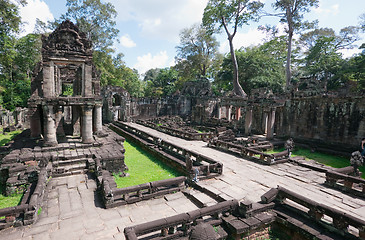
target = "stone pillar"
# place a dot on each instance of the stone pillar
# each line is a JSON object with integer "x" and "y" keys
{"x": 50, "y": 137}
{"x": 270, "y": 124}
{"x": 248, "y": 121}
{"x": 59, "y": 121}
{"x": 219, "y": 112}
{"x": 228, "y": 113}
{"x": 98, "y": 121}
{"x": 87, "y": 124}
{"x": 87, "y": 91}
{"x": 238, "y": 113}
{"x": 48, "y": 79}
{"x": 35, "y": 121}
{"x": 76, "y": 112}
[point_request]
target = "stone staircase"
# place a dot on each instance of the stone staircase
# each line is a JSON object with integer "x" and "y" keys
{"x": 199, "y": 198}
{"x": 70, "y": 166}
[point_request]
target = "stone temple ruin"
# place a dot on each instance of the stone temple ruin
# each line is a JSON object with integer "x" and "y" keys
{"x": 65, "y": 90}
{"x": 230, "y": 187}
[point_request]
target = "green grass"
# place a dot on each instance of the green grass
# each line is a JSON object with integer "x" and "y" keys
{"x": 143, "y": 167}
{"x": 4, "y": 139}
{"x": 326, "y": 159}
{"x": 10, "y": 201}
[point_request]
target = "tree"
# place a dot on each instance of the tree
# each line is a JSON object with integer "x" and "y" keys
{"x": 113, "y": 71}
{"x": 94, "y": 18}
{"x": 259, "y": 66}
{"x": 161, "y": 84}
{"x": 221, "y": 14}
{"x": 323, "y": 60}
{"x": 292, "y": 15}
{"x": 196, "y": 52}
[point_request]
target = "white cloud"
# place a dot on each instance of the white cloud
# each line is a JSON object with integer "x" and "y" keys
{"x": 147, "y": 61}
{"x": 346, "y": 53}
{"x": 30, "y": 12}
{"x": 127, "y": 42}
{"x": 252, "y": 37}
{"x": 161, "y": 19}
{"x": 331, "y": 10}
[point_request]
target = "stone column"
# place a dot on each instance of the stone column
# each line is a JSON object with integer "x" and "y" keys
{"x": 98, "y": 121}
{"x": 35, "y": 121}
{"x": 238, "y": 113}
{"x": 248, "y": 121}
{"x": 228, "y": 113}
{"x": 219, "y": 112}
{"x": 87, "y": 124}
{"x": 48, "y": 79}
{"x": 59, "y": 121}
{"x": 76, "y": 112}
{"x": 270, "y": 124}
{"x": 50, "y": 137}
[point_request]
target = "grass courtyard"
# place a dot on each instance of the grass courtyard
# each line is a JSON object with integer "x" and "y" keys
{"x": 143, "y": 167}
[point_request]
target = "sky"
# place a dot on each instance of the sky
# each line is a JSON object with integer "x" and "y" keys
{"x": 149, "y": 29}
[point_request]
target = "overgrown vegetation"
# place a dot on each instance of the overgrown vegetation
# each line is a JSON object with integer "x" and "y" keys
{"x": 324, "y": 158}
{"x": 4, "y": 139}
{"x": 143, "y": 167}
{"x": 9, "y": 201}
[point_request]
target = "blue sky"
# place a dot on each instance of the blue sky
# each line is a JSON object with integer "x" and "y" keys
{"x": 149, "y": 29}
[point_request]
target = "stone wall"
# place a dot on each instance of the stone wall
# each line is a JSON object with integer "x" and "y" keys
{"x": 324, "y": 120}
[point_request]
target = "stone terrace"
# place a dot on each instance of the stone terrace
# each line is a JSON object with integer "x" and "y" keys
{"x": 74, "y": 211}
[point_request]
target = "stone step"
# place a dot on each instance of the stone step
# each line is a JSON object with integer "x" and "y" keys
{"x": 71, "y": 169}
{"x": 76, "y": 172}
{"x": 199, "y": 198}
{"x": 69, "y": 162}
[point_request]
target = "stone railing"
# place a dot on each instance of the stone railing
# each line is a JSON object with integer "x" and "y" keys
{"x": 177, "y": 132}
{"x": 340, "y": 179}
{"x": 180, "y": 158}
{"x": 333, "y": 219}
{"x": 27, "y": 212}
{"x": 250, "y": 153}
{"x": 179, "y": 225}
{"x": 114, "y": 196}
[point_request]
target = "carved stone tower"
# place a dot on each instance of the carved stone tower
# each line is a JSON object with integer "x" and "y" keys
{"x": 65, "y": 97}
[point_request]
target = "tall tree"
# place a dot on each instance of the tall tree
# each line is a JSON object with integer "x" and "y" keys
{"x": 96, "y": 19}
{"x": 224, "y": 14}
{"x": 196, "y": 52}
{"x": 292, "y": 15}
{"x": 259, "y": 66}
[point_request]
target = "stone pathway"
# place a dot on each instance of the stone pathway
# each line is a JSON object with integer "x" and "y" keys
{"x": 73, "y": 209}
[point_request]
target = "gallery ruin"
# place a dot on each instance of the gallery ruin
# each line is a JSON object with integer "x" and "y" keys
{"x": 231, "y": 186}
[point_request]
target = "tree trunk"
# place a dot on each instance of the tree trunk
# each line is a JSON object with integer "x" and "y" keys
{"x": 237, "y": 89}
{"x": 288, "y": 59}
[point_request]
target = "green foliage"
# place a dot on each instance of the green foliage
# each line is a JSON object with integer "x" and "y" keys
{"x": 143, "y": 167}
{"x": 196, "y": 53}
{"x": 9, "y": 17}
{"x": 161, "y": 82}
{"x": 4, "y": 139}
{"x": 259, "y": 66}
{"x": 113, "y": 71}
{"x": 220, "y": 14}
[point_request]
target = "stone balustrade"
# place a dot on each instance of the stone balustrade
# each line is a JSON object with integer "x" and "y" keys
{"x": 187, "y": 160}
{"x": 114, "y": 196}
{"x": 179, "y": 225}
{"x": 177, "y": 132}
{"x": 331, "y": 218}
{"x": 251, "y": 153}
{"x": 340, "y": 179}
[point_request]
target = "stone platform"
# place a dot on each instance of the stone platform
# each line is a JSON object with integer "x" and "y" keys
{"x": 73, "y": 209}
